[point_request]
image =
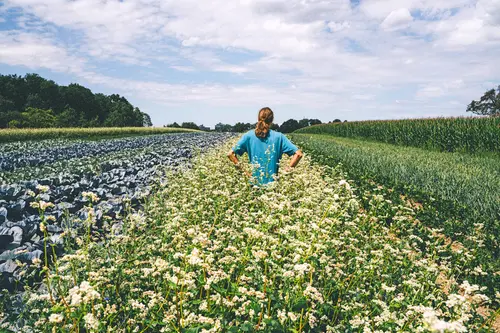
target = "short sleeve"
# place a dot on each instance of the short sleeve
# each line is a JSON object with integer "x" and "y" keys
{"x": 287, "y": 147}
{"x": 241, "y": 146}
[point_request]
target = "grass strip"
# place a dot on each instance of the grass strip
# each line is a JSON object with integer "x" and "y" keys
{"x": 96, "y": 133}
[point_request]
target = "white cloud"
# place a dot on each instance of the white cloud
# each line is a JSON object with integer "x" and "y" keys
{"x": 397, "y": 19}
{"x": 231, "y": 69}
{"x": 490, "y": 10}
{"x": 338, "y": 26}
{"x": 477, "y": 24}
{"x": 454, "y": 84}
{"x": 183, "y": 68}
{"x": 430, "y": 91}
{"x": 36, "y": 51}
{"x": 379, "y": 9}
{"x": 467, "y": 32}
{"x": 110, "y": 27}
{"x": 208, "y": 94}
{"x": 440, "y": 89}
{"x": 363, "y": 97}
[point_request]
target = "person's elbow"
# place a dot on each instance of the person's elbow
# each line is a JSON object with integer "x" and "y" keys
{"x": 299, "y": 153}
{"x": 230, "y": 153}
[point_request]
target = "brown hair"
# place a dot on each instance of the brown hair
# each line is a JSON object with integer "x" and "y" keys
{"x": 266, "y": 117}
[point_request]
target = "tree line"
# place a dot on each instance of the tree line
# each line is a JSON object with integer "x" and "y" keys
{"x": 31, "y": 101}
{"x": 286, "y": 127}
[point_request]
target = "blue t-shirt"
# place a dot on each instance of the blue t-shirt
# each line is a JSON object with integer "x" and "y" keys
{"x": 264, "y": 153}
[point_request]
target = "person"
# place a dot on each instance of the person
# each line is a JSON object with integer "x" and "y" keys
{"x": 265, "y": 148}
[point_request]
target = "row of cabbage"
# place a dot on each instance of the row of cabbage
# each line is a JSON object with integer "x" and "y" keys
{"x": 29, "y": 154}
{"x": 63, "y": 190}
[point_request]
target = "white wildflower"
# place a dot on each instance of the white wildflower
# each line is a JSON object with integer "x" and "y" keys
{"x": 56, "y": 318}
{"x": 91, "y": 322}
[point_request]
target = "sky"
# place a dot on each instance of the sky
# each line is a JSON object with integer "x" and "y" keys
{"x": 212, "y": 61}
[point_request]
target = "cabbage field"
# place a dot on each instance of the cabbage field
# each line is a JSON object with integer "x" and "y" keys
{"x": 58, "y": 174}
{"x": 160, "y": 233}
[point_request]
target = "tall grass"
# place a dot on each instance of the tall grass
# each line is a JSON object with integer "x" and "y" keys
{"x": 471, "y": 134}
{"x": 26, "y": 134}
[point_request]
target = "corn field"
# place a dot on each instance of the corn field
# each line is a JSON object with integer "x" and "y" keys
{"x": 471, "y": 134}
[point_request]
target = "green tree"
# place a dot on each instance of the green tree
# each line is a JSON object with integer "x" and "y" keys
{"x": 50, "y": 94}
{"x": 289, "y": 126}
{"x": 68, "y": 104}
{"x": 488, "y": 104}
{"x": 103, "y": 104}
{"x": 138, "y": 118}
{"x": 35, "y": 101}
{"x": 308, "y": 122}
{"x": 14, "y": 124}
{"x": 38, "y": 118}
{"x": 33, "y": 83}
{"x": 146, "y": 120}
{"x": 242, "y": 127}
{"x": 9, "y": 116}
{"x": 6, "y": 105}
{"x": 92, "y": 123}
{"x": 13, "y": 88}
{"x": 303, "y": 123}
{"x": 190, "y": 125}
{"x": 220, "y": 127}
{"x": 122, "y": 115}
{"x": 70, "y": 118}
{"x": 174, "y": 125}
{"x": 81, "y": 99}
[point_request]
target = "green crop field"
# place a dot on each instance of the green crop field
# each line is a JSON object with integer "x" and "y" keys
{"x": 443, "y": 134}
{"x": 161, "y": 233}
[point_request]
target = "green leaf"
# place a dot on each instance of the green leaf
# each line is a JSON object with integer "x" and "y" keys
{"x": 246, "y": 327}
{"x": 57, "y": 309}
{"x": 300, "y": 304}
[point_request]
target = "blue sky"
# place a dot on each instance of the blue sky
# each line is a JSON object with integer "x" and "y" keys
{"x": 219, "y": 61}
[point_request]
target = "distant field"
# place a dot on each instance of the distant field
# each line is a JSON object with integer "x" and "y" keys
{"x": 443, "y": 134}
{"x": 25, "y": 134}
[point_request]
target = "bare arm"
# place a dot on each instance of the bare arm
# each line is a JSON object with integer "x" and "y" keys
{"x": 232, "y": 157}
{"x": 295, "y": 160}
